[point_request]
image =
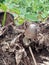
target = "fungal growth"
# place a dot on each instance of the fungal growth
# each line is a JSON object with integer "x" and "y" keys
{"x": 30, "y": 34}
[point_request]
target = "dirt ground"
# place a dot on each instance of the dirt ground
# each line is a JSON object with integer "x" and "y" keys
{"x": 27, "y": 44}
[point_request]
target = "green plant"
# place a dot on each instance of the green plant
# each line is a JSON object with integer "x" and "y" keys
{"x": 4, "y": 8}
{"x": 31, "y": 10}
{"x": 1, "y": 1}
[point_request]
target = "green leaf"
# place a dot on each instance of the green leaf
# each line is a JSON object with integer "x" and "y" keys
{"x": 20, "y": 20}
{"x": 3, "y": 7}
{"x": 32, "y": 17}
{"x": 1, "y": 1}
{"x": 22, "y": 11}
{"x": 4, "y": 19}
{"x": 15, "y": 10}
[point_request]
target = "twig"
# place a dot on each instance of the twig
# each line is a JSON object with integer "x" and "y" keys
{"x": 13, "y": 41}
{"x": 7, "y": 25}
{"x": 4, "y": 62}
{"x": 32, "y": 55}
{"x": 3, "y": 29}
{"x": 20, "y": 30}
{"x": 2, "y": 32}
{"x": 26, "y": 60}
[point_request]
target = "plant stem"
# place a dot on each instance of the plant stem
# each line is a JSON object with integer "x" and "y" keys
{"x": 32, "y": 55}
{"x": 4, "y": 19}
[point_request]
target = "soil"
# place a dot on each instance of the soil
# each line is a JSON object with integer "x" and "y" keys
{"x": 15, "y": 44}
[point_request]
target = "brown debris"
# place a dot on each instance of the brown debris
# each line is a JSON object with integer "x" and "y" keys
{"x": 24, "y": 45}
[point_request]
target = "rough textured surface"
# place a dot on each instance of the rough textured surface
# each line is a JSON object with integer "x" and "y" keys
{"x": 9, "y": 18}
{"x": 14, "y": 45}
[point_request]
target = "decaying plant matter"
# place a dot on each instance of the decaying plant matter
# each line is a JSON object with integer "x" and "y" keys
{"x": 24, "y": 44}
